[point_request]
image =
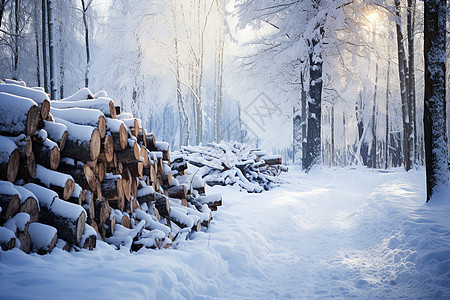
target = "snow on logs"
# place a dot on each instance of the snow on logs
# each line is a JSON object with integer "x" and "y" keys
{"x": 83, "y": 142}
{"x": 69, "y": 219}
{"x": 82, "y": 116}
{"x": 39, "y": 97}
{"x": 9, "y": 159}
{"x": 227, "y": 164}
{"x": 87, "y": 175}
{"x": 105, "y": 105}
{"x": 17, "y": 115}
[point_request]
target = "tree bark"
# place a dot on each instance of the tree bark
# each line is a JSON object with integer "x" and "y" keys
{"x": 86, "y": 38}
{"x": 51, "y": 45}
{"x": 313, "y": 151}
{"x": 436, "y": 152}
{"x": 44, "y": 44}
{"x": 404, "y": 89}
{"x": 411, "y": 78}
{"x": 373, "y": 151}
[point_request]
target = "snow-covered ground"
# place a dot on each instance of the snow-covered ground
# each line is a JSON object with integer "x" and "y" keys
{"x": 331, "y": 233}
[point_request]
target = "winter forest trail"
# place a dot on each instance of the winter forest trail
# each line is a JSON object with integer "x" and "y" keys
{"x": 332, "y": 234}
{"x": 327, "y": 234}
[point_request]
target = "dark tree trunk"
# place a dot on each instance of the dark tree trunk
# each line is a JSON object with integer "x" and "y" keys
{"x": 36, "y": 38}
{"x": 51, "y": 47}
{"x": 44, "y": 44}
{"x": 404, "y": 90}
{"x": 412, "y": 84}
{"x": 386, "y": 137}
{"x": 86, "y": 38}
{"x": 313, "y": 151}
{"x": 436, "y": 153}
{"x": 373, "y": 151}
{"x": 304, "y": 124}
{"x": 16, "y": 38}
{"x": 2, "y": 10}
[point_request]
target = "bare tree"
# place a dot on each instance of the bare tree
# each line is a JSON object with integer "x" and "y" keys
{"x": 51, "y": 47}
{"x": 85, "y": 7}
{"x": 404, "y": 91}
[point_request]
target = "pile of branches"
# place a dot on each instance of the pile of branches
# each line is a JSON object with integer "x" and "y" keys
{"x": 235, "y": 164}
{"x": 76, "y": 170}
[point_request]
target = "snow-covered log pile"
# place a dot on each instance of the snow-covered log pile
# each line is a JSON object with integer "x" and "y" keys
{"x": 77, "y": 170}
{"x": 226, "y": 164}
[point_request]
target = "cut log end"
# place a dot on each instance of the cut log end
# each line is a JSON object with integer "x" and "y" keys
{"x": 102, "y": 126}
{"x": 123, "y": 136}
{"x": 30, "y": 206}
{"x": 112, "y": 108}
{"x": 62, "y": 144}
{"x": 32, "y": 120}
{"x": 28, "y": 146}
{"x": 95, "y": 144}
{"x": 80, "y": 226}
{"x": 10, "y": 206}
{"x": 68, "y": 189}
{"x": 54, "y": 158}
{"x": 109, "y": 148}
{"x": 45, "y": 109}
{"x": 90, "y": 177}
{"x": 13, "y": 165}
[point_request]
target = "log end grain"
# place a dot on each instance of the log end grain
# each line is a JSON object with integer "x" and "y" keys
{"x": 13, "y": 165}
{"x": 90, "y": 177}
{"x": 62, "y": 143}
{"x": 45, "y": 109}
{"x": 112, "y": 109}
{"x": 30, "y": 206}
{"x": 54, "y": 158}
{"x": 123, "y": 136}
{"x": 95, "y": 144}
{"x": 108, "y": 145}
{"x": 80, "y": 227}
{"x": 68, "y": 189}
{"x": 32, "y": 120}
{"x": 102, "y": 126}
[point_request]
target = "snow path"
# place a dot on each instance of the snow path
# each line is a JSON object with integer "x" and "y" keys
{"x": 329, "y": 234}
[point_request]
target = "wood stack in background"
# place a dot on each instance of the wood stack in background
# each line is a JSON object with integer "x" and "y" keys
{"x": 227, "y": 164}
{"x": 77, "y": 170}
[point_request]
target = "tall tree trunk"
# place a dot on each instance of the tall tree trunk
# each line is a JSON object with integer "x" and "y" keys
{"x": 386, "y": 137}
{"x": 304, "y": 123}
{"x": 2, "y": 10}
{"x": 184, "y": 119}
{"x": 16, "y": 38}
{"x": 412, "y": 78}
{"x": 344, "y": 133}
{"x": 313, "y": 155}
{"x": 36, "y": 38}
{"x": 373, "y": 151}
{"x": 333, "y": 156}
{"x": 44, "y": 44}
{"x": 218, "y": 105}
{"x": 61, "y": 60}
{"x": 404, "y": 90}
{"x": 436, "y": 152}
{"x": 86, "y": 39}
{"x": 51, "y": 44}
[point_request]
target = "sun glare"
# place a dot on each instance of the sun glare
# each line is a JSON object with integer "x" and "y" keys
{"x": 372, "y": 17}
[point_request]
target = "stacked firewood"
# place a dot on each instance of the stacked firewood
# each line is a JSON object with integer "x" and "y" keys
{"x": 224, "y": 163}
{"x": 77, "y": 169}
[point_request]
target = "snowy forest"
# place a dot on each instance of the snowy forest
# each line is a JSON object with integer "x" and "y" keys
{"x": 192, "y": 71}
{"x": 304, "y": 140}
